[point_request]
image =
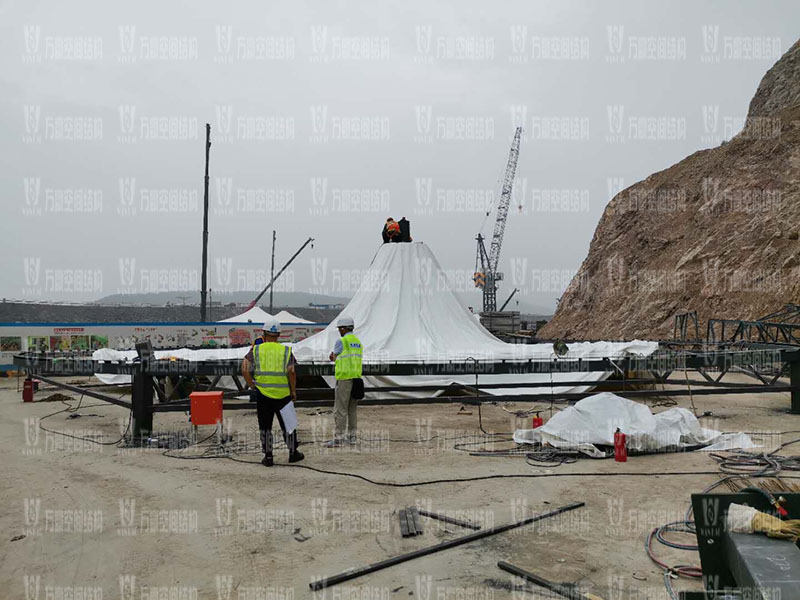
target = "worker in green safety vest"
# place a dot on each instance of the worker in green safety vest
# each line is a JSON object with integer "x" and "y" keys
{"x": 347, "y": 354}
{"x": 269, "y": 371}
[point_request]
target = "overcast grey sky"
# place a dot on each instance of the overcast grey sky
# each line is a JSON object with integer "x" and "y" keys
{"x": 328, "y": 117}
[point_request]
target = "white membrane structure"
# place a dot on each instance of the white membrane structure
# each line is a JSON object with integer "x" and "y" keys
{"x": 406, "y": 311}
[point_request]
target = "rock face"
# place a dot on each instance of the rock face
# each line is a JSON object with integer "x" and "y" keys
{"x": 716, "y": 233}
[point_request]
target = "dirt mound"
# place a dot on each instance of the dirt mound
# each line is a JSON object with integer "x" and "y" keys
{"x": 716, "y": 233}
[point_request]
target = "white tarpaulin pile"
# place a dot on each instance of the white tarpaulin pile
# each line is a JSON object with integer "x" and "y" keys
{"x": 593, "y": 421}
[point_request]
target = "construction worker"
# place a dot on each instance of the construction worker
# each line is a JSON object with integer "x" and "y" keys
{"x": 269, "y": 371}
{"x": 405, "y": 229}
{"x": 347, "y": 353}
{"x": 391, "y": 231}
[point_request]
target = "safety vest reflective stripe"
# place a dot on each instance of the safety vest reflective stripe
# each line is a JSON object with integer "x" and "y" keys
{"x": 268, "y": 357}
{"x": 348, "y": 363}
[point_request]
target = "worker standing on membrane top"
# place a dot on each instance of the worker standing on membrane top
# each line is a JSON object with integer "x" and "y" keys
{"x": 347, "y": 352}
{"x": 269, "y": 370}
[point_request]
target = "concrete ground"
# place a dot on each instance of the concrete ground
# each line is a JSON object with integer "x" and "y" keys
{"x": 83, "y": 520}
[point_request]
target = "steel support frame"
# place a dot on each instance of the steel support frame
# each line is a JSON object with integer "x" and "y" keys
{"x": 144, "y": 373}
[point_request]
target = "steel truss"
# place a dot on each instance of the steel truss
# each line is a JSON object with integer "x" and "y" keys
{"x": 766, "y": 364}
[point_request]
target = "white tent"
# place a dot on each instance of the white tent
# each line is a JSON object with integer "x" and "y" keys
{"x": 285, "y": 316}
{"x": 253, "y": 315}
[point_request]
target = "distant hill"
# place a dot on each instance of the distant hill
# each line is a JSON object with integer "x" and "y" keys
{"x": 40, "y": 312}
{"x": 238, "y": 298}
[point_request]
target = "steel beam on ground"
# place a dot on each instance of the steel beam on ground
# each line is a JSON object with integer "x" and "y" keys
{"x": 85, "y": 392}
{"x": 395, "y": 560}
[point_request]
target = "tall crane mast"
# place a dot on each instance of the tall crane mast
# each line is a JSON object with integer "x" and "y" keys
{"x": 486, "y": 274}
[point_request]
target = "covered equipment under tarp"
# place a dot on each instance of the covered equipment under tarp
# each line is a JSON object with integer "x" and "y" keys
{"x": 592, "y": 422}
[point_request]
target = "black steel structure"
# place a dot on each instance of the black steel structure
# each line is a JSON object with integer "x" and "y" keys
{"x": 765, "y": 364}
{"x": 744, "y": 565}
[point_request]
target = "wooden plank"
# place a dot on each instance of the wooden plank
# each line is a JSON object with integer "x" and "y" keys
{"x": 412, "y": 530}
{"x": 403, "y": 523}
{"x": 417, "y": 520}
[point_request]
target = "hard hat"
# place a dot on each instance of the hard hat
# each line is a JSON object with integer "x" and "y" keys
{"x": 272, "y": 326}
{"x": 345, "y": 322}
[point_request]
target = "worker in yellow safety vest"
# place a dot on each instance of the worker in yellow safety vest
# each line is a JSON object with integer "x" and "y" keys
{"x": 347, "y": 354}
{"x": 269, "y": 371}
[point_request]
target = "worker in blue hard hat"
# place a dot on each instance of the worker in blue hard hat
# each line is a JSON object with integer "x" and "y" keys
{"x": 269, "y": 369}
{"x": 347, "y": 354}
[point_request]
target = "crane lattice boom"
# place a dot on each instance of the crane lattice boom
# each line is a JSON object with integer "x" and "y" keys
{"x": 487, "y": 275}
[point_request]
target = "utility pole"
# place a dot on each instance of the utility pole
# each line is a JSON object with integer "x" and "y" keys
{"x": 272, "y": 271}
{"x": 204, "y": 275}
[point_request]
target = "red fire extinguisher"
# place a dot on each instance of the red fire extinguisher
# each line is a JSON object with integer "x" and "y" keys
{"x": 620, "y": 447}
{"x": 27, "y": 390}
{"x": 537, "y": 421}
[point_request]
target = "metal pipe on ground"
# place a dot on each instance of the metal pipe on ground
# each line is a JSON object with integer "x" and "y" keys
{"x": 560, "y": 589}
{"x": 396, "y": 560}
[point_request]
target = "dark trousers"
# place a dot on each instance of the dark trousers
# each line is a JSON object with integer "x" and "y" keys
{"x": 267, "y": 408}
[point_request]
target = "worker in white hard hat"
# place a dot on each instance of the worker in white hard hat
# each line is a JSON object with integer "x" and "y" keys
{"x": 269, "y": 371}
{"x": 347, "y": 354}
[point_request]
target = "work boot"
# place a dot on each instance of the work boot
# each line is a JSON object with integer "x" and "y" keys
{"x": 334, "y": 443}
{"x": 267, "y": 461}
{"x": 352, "y": 439}
{"x": 296, "y": 456}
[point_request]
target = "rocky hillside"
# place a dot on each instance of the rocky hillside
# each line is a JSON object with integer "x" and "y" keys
{"x": 716, "y": 233}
